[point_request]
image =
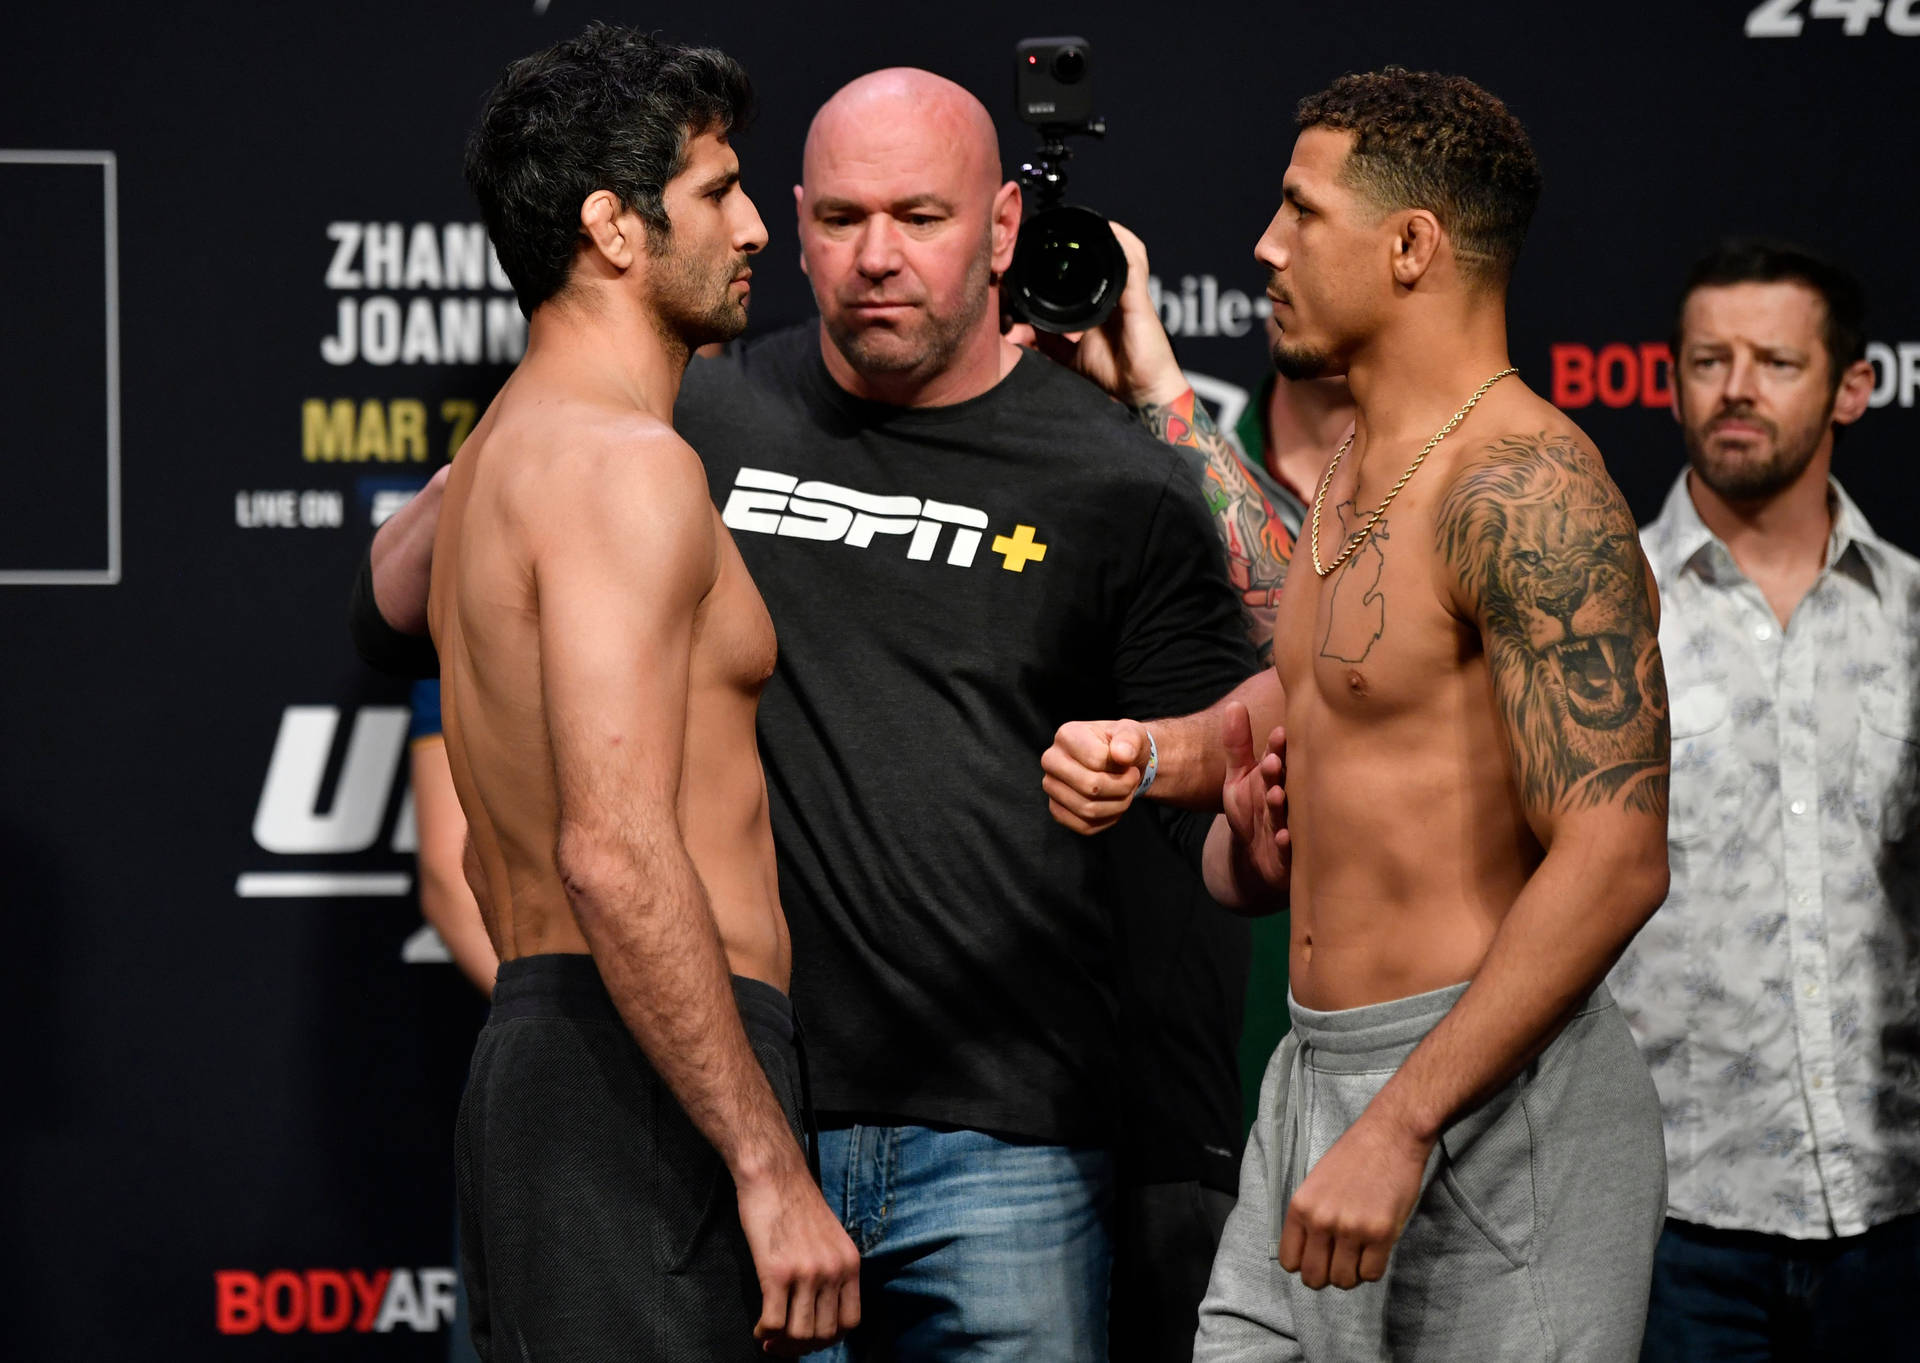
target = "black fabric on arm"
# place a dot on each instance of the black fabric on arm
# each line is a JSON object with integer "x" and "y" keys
{"x": 380, "y": 645}
{"x": 1187, "y": 830}
{"x": 1183, "y": 642}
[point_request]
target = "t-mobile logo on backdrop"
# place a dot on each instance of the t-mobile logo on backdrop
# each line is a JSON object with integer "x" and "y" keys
{"x": 1198, "y": 306}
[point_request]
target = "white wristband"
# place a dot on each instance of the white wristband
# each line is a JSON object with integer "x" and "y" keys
{"x": 1153, "y": 767}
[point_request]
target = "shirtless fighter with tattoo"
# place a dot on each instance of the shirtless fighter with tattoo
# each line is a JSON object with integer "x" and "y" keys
{"x": 1466, "y": 809}
{"x": 602, "y": 653}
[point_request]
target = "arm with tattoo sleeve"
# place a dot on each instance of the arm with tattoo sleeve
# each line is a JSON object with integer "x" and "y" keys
{"x": 1257, "y": 544}
{"x": 1543, "y": 560}
{"x": 1130, "y": 356}
{"x": 1095, "y": 767}
{"x": 1546, "y": 556}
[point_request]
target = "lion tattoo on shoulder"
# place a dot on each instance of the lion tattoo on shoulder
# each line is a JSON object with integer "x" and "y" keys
{"x": 1541, "y": 537}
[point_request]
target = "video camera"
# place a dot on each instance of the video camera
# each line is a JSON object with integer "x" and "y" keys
{"x": 1068, "y": 268}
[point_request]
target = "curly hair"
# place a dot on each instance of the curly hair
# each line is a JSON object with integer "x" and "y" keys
{"x": 612, "y": 109}
{"x": 1425, "y": 140}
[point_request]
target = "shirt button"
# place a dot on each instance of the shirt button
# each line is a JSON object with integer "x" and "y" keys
{"x": 1818, "y": 1082}
{"x": 1813, "y": 991}
{"x": 1798, "y": 806}
{"x": 1763, "y": 632}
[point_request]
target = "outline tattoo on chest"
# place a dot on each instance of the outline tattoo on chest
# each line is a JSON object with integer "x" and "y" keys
{"x": 1357, "y": 607}
{"x": 1544, "y": 545}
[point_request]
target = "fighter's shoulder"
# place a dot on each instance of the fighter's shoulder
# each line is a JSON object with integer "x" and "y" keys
{"x": 609, "y": 467}
{"x": 1529, "y": 452}
{"x": 1527, "y": 500}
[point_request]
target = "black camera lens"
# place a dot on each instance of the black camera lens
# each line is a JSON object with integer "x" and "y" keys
{"x": 1069, "y": 65}
{"x": 1067, "y": 270}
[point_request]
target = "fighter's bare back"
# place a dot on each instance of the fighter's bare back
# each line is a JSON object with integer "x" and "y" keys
{"x": 515, "y": 494}
{"x": 1407, "y": 807}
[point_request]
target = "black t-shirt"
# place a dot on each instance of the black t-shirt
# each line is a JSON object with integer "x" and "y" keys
{"x": 1184, "y": 968}
{"x": 949, "y": 585}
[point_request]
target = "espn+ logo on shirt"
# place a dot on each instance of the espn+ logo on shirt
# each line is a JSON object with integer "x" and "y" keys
{"x": 766, "y": 503}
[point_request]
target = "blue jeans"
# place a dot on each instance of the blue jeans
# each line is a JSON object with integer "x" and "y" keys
{"x": 1739, "y": 1297}
{"x": 972, "y": 1247}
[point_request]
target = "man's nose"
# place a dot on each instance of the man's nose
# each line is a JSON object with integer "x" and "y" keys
{"x": 1743, "y": 376}
{"x": 879, "y": 252}
{"x": 752, "y": 234}
{"x": 1271, "y": 249}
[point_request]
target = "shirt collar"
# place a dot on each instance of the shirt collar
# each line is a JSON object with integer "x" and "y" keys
{"x": 1852, "y": 531}
{"x": 1677, "y": 535}
{"x": 1678, "y": 539}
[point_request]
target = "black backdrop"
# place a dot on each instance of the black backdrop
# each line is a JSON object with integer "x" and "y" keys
{"x": 220, "y": 1068}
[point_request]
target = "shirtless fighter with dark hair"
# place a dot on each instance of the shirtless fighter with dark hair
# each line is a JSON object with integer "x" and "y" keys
{"x": 1466, "y": 811}
{"x": 602, "y": 654}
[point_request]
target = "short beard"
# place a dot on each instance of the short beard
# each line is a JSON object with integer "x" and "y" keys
{"x": 1739, "y": 480}
{"x": 694, "y": 304}
{"x": 1296, "y": 363}
{"x": 929, "y": 348}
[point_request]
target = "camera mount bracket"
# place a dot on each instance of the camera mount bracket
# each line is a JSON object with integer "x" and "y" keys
{"x": 1046, "y": 173}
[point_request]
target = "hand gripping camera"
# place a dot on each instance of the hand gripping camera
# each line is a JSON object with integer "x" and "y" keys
{"x": 1068, "y": 270}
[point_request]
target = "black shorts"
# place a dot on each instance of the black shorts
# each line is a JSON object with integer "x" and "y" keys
{"x": 597, "y": 1223}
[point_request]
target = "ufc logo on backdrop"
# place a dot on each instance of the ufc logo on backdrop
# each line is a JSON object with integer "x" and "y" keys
{"x": 767, "y": 503}
{"x": 289, "y": 819}
{"x": 298, "y": 817}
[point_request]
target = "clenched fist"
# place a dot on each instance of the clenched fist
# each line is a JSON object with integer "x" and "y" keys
{"x": 1093, "y": 771}
{"x": 809, "y": 1270}
{"x": 1347, "y": 1213}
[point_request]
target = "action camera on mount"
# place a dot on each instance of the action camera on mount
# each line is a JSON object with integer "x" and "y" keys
{"x": 1067, "y": 269}
{"x": 1053, "y": 83}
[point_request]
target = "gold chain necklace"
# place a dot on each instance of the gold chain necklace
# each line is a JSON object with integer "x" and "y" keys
{"x": 1365, "y": 532}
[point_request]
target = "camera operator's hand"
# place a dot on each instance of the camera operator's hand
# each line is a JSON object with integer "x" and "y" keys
{"x": 1129, "y": 354}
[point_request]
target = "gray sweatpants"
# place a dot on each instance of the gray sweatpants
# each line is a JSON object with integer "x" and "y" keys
{"x": 1534, "y": 1234}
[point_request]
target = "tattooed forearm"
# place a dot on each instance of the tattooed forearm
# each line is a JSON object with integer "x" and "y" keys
{"x": 1546, "y": 552}
{"x": 1257, "y": 543}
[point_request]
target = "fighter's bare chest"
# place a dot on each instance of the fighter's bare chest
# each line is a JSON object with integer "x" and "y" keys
{"x": 734, "y": 645}
{"x": 1374, "y": 634}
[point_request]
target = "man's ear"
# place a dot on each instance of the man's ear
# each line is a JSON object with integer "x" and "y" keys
{"x": 611, "y": 231}
{"x": 1006, "y": 225}
{"x": 1415, "y": 246}
{"x": 800, "y": 222}
{"x": 1855, "y": 392}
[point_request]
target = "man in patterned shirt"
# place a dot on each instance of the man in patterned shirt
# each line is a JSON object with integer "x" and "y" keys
{"x": 1776, "y": 994}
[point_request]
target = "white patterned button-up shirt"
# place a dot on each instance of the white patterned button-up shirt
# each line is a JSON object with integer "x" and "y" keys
{"x": 1776, "y": 994}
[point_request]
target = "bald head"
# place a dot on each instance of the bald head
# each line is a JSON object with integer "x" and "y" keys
{"x": 905, "y": 226}
{"x": 904, "y": 117}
